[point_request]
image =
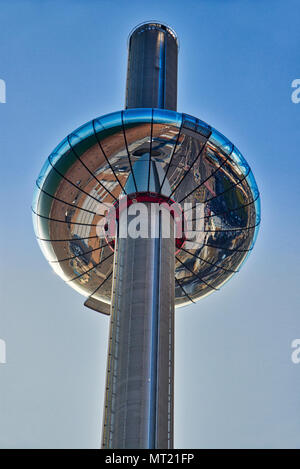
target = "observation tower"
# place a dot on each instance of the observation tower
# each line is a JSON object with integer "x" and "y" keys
{"x": 171, "y": 172}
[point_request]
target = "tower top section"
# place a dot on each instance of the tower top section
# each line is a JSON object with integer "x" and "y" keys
{"x": 152, "y": 67}
{"x": 153, "y": 25}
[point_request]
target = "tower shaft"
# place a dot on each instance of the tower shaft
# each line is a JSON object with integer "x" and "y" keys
{"x": 140, "y": 371}
{"x": 138, "y": 409}
{"x": 152, "y": 68}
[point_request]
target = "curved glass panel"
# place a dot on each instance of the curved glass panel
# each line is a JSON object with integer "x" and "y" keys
{"x": 137, "y": 116}
{"x": 46, "y": 169}
{"x": 241, "y": 164}
{"x": 61, "y": 149}
{"x": 165, "y": 116}
{"x": 165, "y": 138}
{"x": 222, "y": 142}
{"x": 198, "y": 126}
{"x": 51, "y": 182}
{"x": 255, "y": 236}
{"x": 109, "y": 121}
{"x": 253, "y": 186}
{"x": 83, "y": 138}
{"x": 112, "y": 150}
{"x": 47, "y": 250}
{"x": 198, "y": 178}
{"x": 35, "y": 199}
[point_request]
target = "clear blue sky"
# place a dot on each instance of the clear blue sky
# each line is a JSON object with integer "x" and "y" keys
{"x": 64, "y": 63}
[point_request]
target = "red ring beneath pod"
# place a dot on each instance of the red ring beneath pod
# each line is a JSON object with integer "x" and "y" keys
{"x": 143, "y": 197}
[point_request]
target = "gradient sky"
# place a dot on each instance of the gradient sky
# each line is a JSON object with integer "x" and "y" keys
{"x": 64, "y": 63}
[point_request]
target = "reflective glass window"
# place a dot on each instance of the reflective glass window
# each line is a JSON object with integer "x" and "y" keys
{"x": 221, "y": 141}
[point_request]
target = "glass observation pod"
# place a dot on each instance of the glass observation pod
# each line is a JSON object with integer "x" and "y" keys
{"x": 205, "y": 173}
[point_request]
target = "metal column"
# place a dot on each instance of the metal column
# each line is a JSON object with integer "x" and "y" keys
{"x": 152, "y": 67}
{"x": 139, "y": 396}
{"x": 140, "y": 370}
